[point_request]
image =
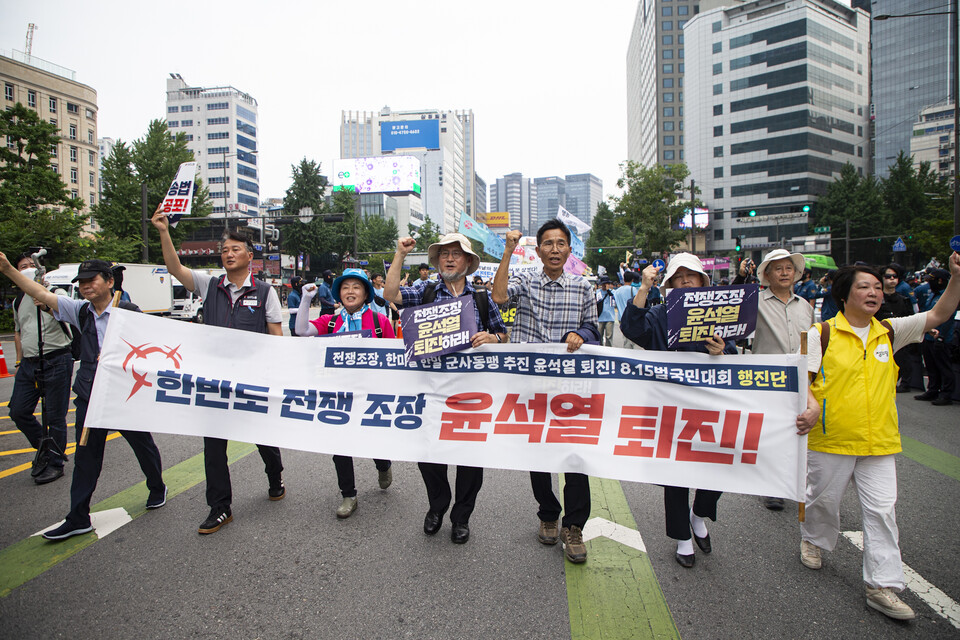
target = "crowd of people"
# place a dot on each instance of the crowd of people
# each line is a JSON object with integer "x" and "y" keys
{"x": 856, "y": 354}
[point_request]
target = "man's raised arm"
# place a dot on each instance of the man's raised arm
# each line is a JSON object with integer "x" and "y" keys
{"x": 29, "y": 287}
{"x": 502, "y": 277}
{"x": 391, "y": 288}
{"x": 170, "y": 257}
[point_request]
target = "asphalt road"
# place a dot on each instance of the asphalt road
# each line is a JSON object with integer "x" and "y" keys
{"x": 290, "y": 569}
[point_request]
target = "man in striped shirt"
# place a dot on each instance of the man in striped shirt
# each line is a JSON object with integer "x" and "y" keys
{"x": 554, "y": 306}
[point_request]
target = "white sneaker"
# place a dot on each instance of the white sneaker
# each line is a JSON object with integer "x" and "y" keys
{"x": 347, "y": 507}
{"x": 886, "y": 601}
{"x": 809, "y": 555}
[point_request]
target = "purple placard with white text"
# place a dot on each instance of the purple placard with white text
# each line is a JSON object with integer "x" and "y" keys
{"x": 693, "y": 315}
{"x": 438, "y": 328}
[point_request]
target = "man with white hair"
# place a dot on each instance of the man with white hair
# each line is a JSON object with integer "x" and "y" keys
{"x": 454, "y": 259}
{"x": 782, "y": 315}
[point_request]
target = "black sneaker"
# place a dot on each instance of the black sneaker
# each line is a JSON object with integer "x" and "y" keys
{"x": 66, "y": 530}
{"x": 217, "y": 518}
{"x": 277, "y": 491}
{"x": 48, "y": 474}
{"x": 157, "y": 500}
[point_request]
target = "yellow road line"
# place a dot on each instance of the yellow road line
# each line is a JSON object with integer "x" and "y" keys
{"x": 71, "y": 449}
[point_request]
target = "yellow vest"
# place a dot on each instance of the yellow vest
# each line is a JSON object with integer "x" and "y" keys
{"x": 856, "y": 388}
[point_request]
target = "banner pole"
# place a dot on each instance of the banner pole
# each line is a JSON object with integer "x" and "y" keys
{"x": 801, "y": 506}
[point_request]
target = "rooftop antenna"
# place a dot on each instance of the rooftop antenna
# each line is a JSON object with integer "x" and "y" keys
{"x": 28, "y": 47}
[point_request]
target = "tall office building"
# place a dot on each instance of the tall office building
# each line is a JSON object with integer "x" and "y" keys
{"x": 479, "y": 195}
{"x": 584, "y": 193}
{"x": 777, "y": 102}
{"x": 438, "y": 138}
{"x": 469, "y": 157}
{"x": 911, "y": 71}
{"x": 933, "y": 140}
{"x": 220, "y": 124}
{"x": 517, "y": 195}
{"x": 655, "y": 78}
{"x": 54, "y": 93}
{"x": 551, "y": 194}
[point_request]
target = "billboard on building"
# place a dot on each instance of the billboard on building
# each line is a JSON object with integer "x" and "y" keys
{"x": 495, "y": 218}
{"x": 701, "y": 218}
{"x": 380, "y": 174}
{"x": 409, "y": 134}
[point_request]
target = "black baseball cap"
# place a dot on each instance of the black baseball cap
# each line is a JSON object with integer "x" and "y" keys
{"x": 90, "y": 268}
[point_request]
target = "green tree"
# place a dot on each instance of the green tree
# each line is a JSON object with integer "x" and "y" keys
{"x": 606, "y": 233}
{"x": 35, "y": 207}
{"x": 854, "y": 198}
{"x": 152, "y": 160}
{"x": 306, "y": 191}
{"x": 425, "y": 235}
{"x": 378, "y": 234}
{"x": 651, "y": 206}
{"x": 917, "y": 204}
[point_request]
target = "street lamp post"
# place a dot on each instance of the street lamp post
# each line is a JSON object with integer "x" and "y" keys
{"x": 954, "y": 90}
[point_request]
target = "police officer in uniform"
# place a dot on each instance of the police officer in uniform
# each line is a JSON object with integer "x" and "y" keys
{"x": 238, "y": 301}
{"x": 91, "y": 316}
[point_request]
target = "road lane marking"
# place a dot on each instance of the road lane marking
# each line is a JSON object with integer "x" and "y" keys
{"x": 25, "y": 560}
{"x": 104, "y": 522}
{"x": 615, "y": 594}
{"x": 71, "y": 449}
{"x": 931, "y": 457}
{"x": 942, "y": 604}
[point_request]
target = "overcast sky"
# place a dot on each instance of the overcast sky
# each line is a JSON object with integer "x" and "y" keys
{"x": 546, "y": 80}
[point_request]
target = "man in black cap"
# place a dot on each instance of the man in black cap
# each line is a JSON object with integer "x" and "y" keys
{"x": 325, "y": 294}
{"x": 91, "y": 316}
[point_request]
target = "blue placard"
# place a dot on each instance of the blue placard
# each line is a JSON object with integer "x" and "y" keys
{"x": 899, "y": 245}
{"x": 955, "y": 243}
{"x": 659, "y": 264}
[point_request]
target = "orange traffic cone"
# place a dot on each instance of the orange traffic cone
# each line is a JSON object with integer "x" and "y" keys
{"x": 3, "y": 365}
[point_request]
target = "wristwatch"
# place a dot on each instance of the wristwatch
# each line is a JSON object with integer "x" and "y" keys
{"x": 497, "y": 336}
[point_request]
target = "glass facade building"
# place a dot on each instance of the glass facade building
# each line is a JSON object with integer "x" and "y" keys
{"x": 911, "y": 71}
{"x": 777, "y": 102}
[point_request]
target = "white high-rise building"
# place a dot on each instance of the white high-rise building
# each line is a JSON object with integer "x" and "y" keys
{"x": 438, "y": 138}
{"x": 221, "y": 128}
{"x": 777, "y": 101}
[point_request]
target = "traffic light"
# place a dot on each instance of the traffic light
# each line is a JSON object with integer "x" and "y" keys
{"x": 600, "y": 250}
{"x": 739, "y": 245}
{"x": 806, "y": 208}
{"x": 753, "y": 213}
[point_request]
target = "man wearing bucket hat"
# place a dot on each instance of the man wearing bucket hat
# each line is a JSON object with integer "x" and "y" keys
{"x": 782, "y": 315}
{"x": 647, "y": 326}
{"x": 353, "y": 290}
{"x": 454, "y": 259}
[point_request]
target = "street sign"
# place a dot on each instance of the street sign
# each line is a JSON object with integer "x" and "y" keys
{"x": 899, "y": 245}
{"x": 659, "y": 264}
{"x": 955, "y": 243}
{"x": 821, "y": 229}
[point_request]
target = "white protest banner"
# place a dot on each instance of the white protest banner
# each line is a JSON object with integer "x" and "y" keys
{"x": 179, "y": 199}
{"x": 572, "y": 221}
{"x": 684, "y": 419}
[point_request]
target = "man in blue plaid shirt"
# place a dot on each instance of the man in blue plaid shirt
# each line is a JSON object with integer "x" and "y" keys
{"x": 554, "y": 306}
{"x": 454, "y": 260}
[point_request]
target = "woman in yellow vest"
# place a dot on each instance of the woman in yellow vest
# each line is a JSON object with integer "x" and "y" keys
{"x": 850, "y": 359}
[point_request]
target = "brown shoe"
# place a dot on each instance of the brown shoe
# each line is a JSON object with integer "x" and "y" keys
{"x": 573, "y": 547}
{"x": 548, "y": 533}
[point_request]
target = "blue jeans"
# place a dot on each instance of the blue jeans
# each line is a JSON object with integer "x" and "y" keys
{"x": 57, "y": 373}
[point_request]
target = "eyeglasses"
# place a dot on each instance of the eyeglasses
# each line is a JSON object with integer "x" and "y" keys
{"x": 451, "y": 253}
{"x": 889, "y": 276}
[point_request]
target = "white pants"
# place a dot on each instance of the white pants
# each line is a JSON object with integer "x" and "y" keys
{"x": 875, "y": 479}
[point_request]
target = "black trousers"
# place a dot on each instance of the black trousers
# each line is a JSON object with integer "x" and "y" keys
{"x": 345, "y": 477}
{"x": 676, "y": 505}
{"x": 936, "y": 359}
{"x": 88, "y": 462}
{"x": 219, "y": 492}
{"x": 576, "y": 498}
{"x": 904, "y": 359}
{"x": 468, "y": 483}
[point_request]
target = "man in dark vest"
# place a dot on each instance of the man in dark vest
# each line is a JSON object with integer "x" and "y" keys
{"x": 237, "y": 301}
{"x": 91, "y": 316}
{"x": 454, "y": 260}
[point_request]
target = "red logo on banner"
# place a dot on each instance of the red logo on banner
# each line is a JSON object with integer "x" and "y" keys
{"x": 142, "y": 352}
